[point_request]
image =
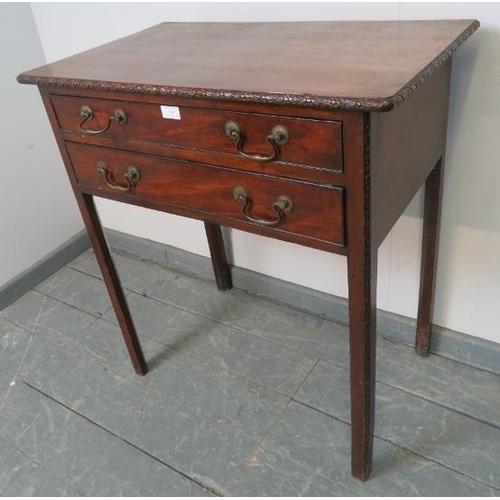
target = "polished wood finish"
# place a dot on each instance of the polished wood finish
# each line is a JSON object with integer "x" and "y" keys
{"x": 103, "y": 255}
{"x": 394, "y": 186}
{"x": 362, "y": 280}
{"x": 312, "y": 143}
{"x": 220, "y": 264}
{"x": 349, "y": 170}
{"x": 368, "y": 66}
{"x": 112, "y": 281}
{"x": 317, "y": 212}
{"x": 430, "y": 236}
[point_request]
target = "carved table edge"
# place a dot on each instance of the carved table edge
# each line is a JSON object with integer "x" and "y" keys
{"x": 367, "y": 104}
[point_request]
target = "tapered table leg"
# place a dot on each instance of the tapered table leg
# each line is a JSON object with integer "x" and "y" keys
{"x": 106, "y": 264}
{"x": 218, "y": 255}
{"x": 432, "y": 209}
{"x": 362, "y": 272}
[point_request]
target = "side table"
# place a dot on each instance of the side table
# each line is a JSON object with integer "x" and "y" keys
{"x": 317, "y": 133}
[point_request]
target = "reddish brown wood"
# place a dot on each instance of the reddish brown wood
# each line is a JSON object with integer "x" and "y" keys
{"x": 369, "y": 66}
{"x": 112, "y": 281}
{"x": 281, "y": 109}
{"x": 312, "y": 143}
{"x": 218, "y": 254}
{"x": 430, "y": 237}
{"x": 350, "y": 172}
{"x": 221, "y": 220}
{"x": 402, "y": 161}
{"x": 362, "y": 278}
{"x": 275, "y": 168}
{"x": 103, "y": 256}
{"x": 362, "y": 272}
{"x": 317, "y": 212}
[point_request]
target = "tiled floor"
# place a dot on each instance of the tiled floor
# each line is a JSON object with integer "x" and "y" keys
{"x": 244, "y": 397}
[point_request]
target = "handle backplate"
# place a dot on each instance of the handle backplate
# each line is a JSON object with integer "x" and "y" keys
{"x": 132, "y": 176}
{"x": 279, "y": 135}
{"x": 282, "y": 206}
{"x": 86, "y": 114}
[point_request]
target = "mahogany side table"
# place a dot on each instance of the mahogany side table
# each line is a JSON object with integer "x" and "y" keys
{"x": 318, "y": 133}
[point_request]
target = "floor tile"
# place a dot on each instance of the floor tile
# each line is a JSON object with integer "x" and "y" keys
{"x": 210, "y": 449}
{"x": 218, "y": 394}
{"x": 22, "y": 477}
{"x": 92, "y": 390}
{"x": 135, "y": 275}
{"x": 46, "y": 316}
{"x": 102, "y": 342}
{"x": 269, "y": 473}
{"x": 207, "y": 450}
{"x": 210, "y": 452}
{"x": 454, "y": 385}
{"x": 327, "y": 389}
{"x": 321, "y": 443}
{"x": 5, "y": 380}
{"x": 312, "y": 335}
{"x": 6, "y": 386}
{"x": 201, "y": 387}
{"x": 92, "y": 460}
{"x": 86, "y": 263}
{"x": 452, "y": 439}
{"x": 216, "y": 404}
{"x": 261, "y": 360}
{"x": 78, "y": 290}
{"x": 21, "y": 351}
{"x": 166, "y": 324}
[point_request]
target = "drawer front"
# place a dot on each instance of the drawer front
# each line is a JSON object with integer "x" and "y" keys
{"x": 297, "y": 141}
{"x": 279, "y": 205}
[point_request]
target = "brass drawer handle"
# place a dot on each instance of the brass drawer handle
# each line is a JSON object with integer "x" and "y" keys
{"x": 279, "y": 135}
{"x": 132, "y": 177}
{"x": 282, "y": 206}
{"x": 86, "y": 114}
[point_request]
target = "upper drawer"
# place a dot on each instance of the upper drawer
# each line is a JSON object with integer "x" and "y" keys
{"x": 262, "y": 139}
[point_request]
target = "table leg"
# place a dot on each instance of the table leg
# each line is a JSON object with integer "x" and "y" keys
{"x": 112, "y": 281}
{"x": 218, "y": 254}
{"x": 362, "y": 272}
{"x": 432, "y": 209}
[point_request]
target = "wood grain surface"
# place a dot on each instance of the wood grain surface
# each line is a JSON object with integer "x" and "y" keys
{"x": 317, "y": 211}
{"x": 348, "y": 171}
{"x": 316, "y": 143}
{"x": 370, "y": 65}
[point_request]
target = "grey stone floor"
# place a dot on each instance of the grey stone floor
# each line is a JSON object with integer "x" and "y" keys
{"x": 244, "y": 397}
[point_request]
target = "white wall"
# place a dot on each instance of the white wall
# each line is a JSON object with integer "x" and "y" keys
{"x": 37, "y": 213}
{"x": 468, "y": 282}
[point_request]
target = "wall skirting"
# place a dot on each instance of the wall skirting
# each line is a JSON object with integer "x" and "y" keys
{"x": 23, "y": 282}
{"x": 464, "y": 348}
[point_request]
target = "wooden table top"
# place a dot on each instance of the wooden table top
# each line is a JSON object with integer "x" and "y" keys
{"x": 369, "y": 65}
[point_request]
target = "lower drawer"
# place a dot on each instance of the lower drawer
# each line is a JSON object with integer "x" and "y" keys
{"x": 278, "y": 205}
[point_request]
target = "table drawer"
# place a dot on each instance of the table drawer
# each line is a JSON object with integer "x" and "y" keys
{"x": 278, "y": 205}
{"x": 256, "y": 138}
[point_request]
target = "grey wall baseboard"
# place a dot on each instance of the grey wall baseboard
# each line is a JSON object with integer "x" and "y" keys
{"x": 447, "y": 343}
{"x": 23, "y": 282}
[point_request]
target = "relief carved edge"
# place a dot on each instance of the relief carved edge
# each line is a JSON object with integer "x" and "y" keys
{"x": 301, "y": 100}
